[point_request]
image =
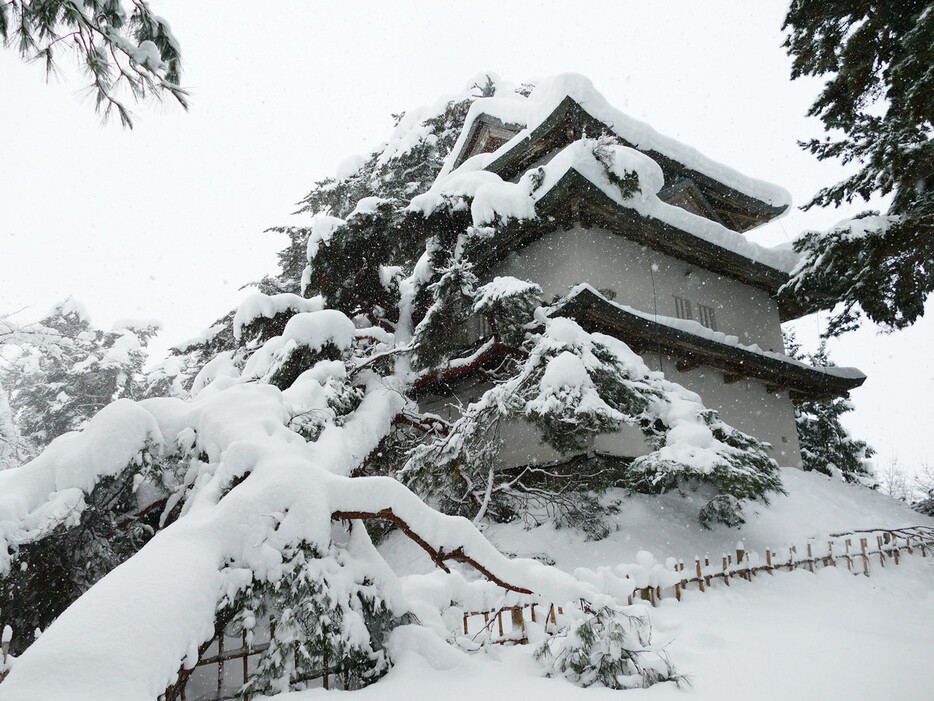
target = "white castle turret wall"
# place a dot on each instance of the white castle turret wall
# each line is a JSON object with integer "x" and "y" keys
{"x": 646, "y": 280}
{"x": 649, "y": 281}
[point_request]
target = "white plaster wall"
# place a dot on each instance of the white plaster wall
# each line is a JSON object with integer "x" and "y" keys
{"x": 646, "y": 280}
{"x": 522, "y": 445}
{"x": 745, "y": 404}
{"x": 520, "y": 441}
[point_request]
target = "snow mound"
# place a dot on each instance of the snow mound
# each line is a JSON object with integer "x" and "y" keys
{"x": 260, "y": 305}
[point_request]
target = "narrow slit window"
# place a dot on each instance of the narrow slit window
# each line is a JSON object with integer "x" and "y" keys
{"x": 683, "y": 308}
{"x": 707, "y": 317}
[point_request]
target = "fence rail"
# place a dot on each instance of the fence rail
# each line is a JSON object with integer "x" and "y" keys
{"x": 857, "y": 550}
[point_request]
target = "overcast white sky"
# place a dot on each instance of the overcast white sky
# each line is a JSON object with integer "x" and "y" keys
{"x": 167, "y": 220}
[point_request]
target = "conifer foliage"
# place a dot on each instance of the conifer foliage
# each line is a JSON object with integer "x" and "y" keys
{"x": 826, "y": 446}
{"x": 133, "y": 52}
{"x": 65, "y": 371}
{"x": 878, "y": 110}
{"x": 242, "y": 494}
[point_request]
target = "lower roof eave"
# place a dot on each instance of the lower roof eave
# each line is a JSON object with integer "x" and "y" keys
{"x": 690, "y": 351}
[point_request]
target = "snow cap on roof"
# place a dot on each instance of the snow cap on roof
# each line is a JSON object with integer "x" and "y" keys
{"x": 528, "y": 113}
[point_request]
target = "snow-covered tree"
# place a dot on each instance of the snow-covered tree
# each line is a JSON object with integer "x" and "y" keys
{"x": 243, "y": 492}
{"x": 826, "y": 446}
{"x": 123, "y": 47}
{"x": 596, "y": 650}
{"x": 63, "y": 371}
{"x": 14, "y": 449}
{"x": 878, "y": 111}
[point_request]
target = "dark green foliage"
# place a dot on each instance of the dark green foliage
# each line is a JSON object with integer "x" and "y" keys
{"x": 298, "y": 360}
{"x": 346, "y": 269}
{"x": 740, "y": 470}
{"x": 724, "y": 509}
{"x": 876, "y": 267}
{"x": 925, "y": 506}
{"x": 628, "y": 184}
{"x": 400, "y": 176}
{"x": 878, "y": 106}
{"x": 48, "y": 575}
{"x": 825, "y": 444}
{"x": 327, "y": 620}
{"x": 108, "y": 42}
{"x": 609, "y": 648}
{"x": 508, "y": 306}
{"x": 443, "y": 330}
{"x": 459, "y": 470}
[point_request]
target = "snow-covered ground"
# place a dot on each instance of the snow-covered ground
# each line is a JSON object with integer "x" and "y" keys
{"x": 829, "y": 635}
{"x": 826, "y": 635}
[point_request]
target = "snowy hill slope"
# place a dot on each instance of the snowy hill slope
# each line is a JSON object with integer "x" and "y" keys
{"x": 828, "y": 635}
{"x": 666, "y": 526}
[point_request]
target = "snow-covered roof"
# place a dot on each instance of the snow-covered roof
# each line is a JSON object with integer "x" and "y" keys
{"x": 694, "y": 345}
{"x": 565, "y": 107}
{"x": 586, "y": 175}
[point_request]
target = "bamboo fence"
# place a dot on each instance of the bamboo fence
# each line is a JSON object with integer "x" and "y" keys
{"x": 857, "y": 550}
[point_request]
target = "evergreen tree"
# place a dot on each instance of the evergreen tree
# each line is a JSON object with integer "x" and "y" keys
{"x": 878, "y": 107}
{"x": 131, "y": 52}
{"x": 287, "y": 414}
{"x": 64, "y": 375}
{"x": 14, "y": 449}
{"x": 608, "y": 648}
{"x": 826, "y": 446}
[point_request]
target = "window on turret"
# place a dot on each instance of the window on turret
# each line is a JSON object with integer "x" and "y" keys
{"x": 683, "y": 308}
{"x": 706, "y": 317}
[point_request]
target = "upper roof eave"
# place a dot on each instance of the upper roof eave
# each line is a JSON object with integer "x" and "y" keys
{"x": 643, "y": 333}
{"x": 744, "y": 211}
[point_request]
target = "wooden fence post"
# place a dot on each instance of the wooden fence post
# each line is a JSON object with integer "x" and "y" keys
{"x": 810, "y": 558}
{"x": 220, "y": 664}
{"x": 862, "y": 543}
{"x": 849, "y": 558}
{"x": 518, "y": 621}
{"x": 881, "y": 552}
{"x": 465, "y": 624}
{"x": 700, "y": 575}
{"x": 726, "y": 572}
{"x": 246, "y": 658}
